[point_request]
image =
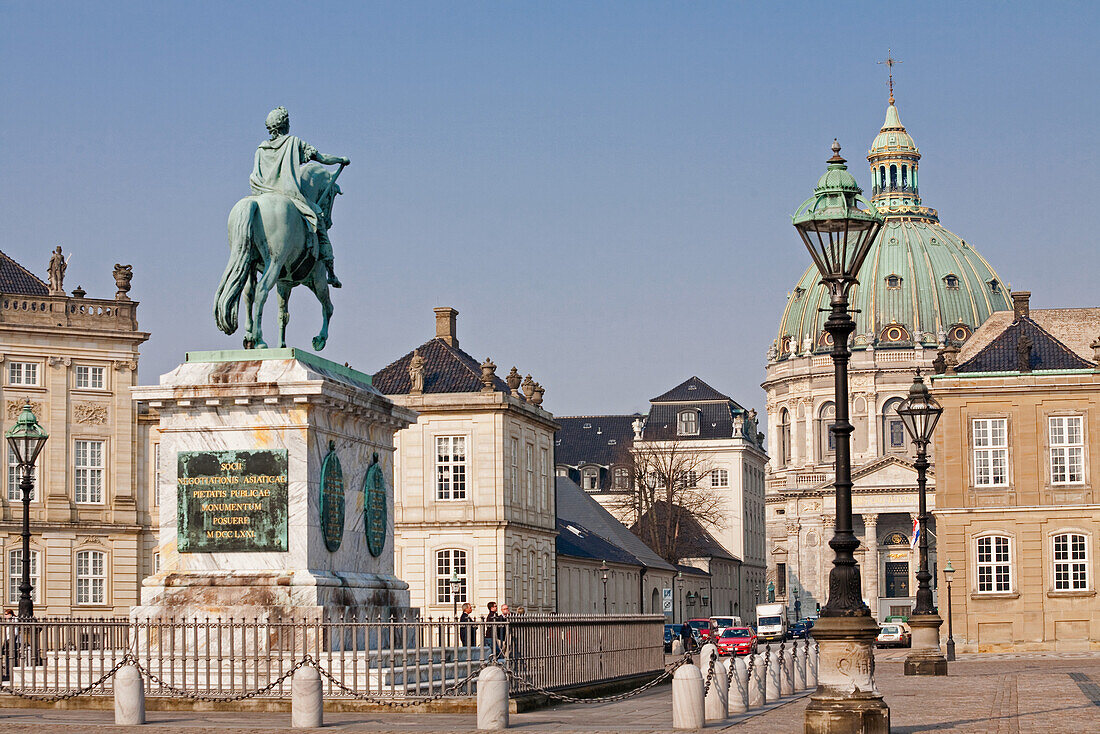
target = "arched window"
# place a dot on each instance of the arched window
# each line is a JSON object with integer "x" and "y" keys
{"x": 893, "y": 281}
{"x": 994, "y": 563}
{"x": 1071, "y": 562}
{"x": 893, "y": 176}
{"x": 450, "y": 561}
{"x": 826, "y": 441}
{"x": 784, "y": 437}
{"x": 904, "y": 176}
{"x": 91, "y": 580}
{"x": 951, "y": 281}
{"x": 687, "y": 423}
{"x": 882, "y": 177}
{"x": 15, "y": 575}
{"x": 590, "y": 478}
{"x": 894, "y": 440}
{"x": 719, "y": 478}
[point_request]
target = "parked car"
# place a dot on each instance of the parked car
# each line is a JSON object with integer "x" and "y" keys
{"x": 894, "y": 634}
{"x": 707, "y": 629}
{"x": 737, "y": 641}
{"x": 723, "y": 622}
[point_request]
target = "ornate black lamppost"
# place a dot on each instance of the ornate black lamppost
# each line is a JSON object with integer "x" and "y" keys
{"x": 603, "y": 577}
{"x": 838, "y": 226}
{"x": 920, "y": 412}
{"x": 948, "y": 574}
{"x": 455, "y": 582}
{"x": 26, "y": 439}
{"x": 680, "y": 594}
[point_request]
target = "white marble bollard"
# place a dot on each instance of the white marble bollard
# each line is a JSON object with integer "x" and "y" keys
{"x": 811, "y": 666}
{"x": 687, "y": 698}
{"x": 307, "y": 707}
{"x": 757, "y": 687}
{"x": 787, "y": 681}
{"x": 716, "y": 696}
{"x": 800, "y": 665}
{"x": 775, "y": 674}
{"x": 738, "y": 671}
{"x": 492, "y": 699}
{"x": 677, "y": 646}
{"x": 129, "y": 696}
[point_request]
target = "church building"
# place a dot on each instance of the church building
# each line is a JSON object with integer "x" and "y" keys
{"x": 920, "y": 288}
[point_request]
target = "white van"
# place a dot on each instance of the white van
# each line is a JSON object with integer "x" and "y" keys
{"x": 724, "y": 622}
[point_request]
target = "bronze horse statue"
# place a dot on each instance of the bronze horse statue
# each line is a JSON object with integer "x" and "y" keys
{"x": 270, "y": 246}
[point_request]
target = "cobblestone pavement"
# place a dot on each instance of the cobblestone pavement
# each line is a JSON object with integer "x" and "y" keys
{"x": 1002, "y": 694}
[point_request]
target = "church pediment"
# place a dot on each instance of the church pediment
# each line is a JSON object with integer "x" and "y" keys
{"x": 890, "y": 471}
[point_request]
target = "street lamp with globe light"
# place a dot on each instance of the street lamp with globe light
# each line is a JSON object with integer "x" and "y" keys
{"x": 838, "y": 226}
{"x": 603, "y": 577}
{"x": 920, "y": 412}
{"x": 26, "y": 439}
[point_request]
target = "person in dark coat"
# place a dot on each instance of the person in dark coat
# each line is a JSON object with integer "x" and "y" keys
{"x": 494, "y": 630}
{"x": 466, "y": 626}
{"x": 687, "y": 637}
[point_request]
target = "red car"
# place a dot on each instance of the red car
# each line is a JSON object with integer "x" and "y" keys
{"x": 737, "y": 641}
{"x": 707, "y": 628}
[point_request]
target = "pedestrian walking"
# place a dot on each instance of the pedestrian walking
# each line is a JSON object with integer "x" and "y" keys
{"x": 465, "y": 625}
{"x": 494, "y": 630}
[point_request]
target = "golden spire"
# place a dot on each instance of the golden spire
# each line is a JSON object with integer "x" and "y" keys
{"x": 890, "y": 61}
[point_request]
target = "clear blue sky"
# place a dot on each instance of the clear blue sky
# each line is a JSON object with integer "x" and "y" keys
{"x": 603, "y": 190}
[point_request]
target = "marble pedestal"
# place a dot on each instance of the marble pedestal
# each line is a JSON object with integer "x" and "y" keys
{"x": 846, "y": 699}
{"x": 925, "y": 657}
{"x": 283, "y": 403}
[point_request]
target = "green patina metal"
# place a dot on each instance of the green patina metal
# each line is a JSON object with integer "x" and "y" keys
{"x": 232, "y": 501}
{"x": 374, "y": 508}
{"x": 332, "y": 499}
{"x": 282, "y": 353}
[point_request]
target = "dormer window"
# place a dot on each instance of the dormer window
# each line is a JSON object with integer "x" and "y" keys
{"x": 798, "y": 293}
{"x": 687, "y": 423}
{"x": 994, "y": 286}
{"x": 951, "y": 281}
{"x": 894, "y": 333}
{"x": 590, "y": 479}
{"x": 893, "y": 281}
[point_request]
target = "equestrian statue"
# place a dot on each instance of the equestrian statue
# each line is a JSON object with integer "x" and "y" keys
{"x": 278, "y": 236}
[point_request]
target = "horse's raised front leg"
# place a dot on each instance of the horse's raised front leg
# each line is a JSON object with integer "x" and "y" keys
{"x": 282, "y": 290}
{"x": 319, "y": 286}
{"x": 246, "y": 300}
{"x": 263, "y": 287}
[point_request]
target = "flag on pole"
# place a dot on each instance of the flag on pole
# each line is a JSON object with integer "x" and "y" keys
{"x": 916, "y": 534}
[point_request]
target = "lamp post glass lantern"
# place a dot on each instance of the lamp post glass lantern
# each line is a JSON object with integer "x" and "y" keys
{"x": 603, "y": 577}
{"x": 948, "y": 574}
{"x": 838, "y": 227}
{"x": 455, "y": 582}
{"x": 26, "y": 439}
{"x": 920, "y": 412}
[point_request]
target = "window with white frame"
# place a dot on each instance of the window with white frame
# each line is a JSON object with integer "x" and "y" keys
{"x": 22, "y": 373}
{"x": 15, "y": 575}
{"x": 994, "y": 564}
{"x": 89, "y": 471}
{"x": 590, "y": 478}
{"x": 719, "y": 478}
{"x": 1067, "y": 449}
{"x": 691, "y": 478}
{"x": 450, "y": 467}
{"x": 448, "y": 562}
{"x": 15, "y": 478}
{"x": 621, "y": 478}
{"x": 90, "y": 378}
{"x": 156, "y": 563}
{"x": 687, "y": 423}
{"x": 91, "y": 580}
{"x": 1070, "y": 562}
{"x": 544, "y": 477}
{"x": 513, "y": 468}
{"x": 529, "y": 490}
{"x": 990, "y": 452}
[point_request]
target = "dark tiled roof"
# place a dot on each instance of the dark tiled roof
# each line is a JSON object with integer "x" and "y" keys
{"x": 691, "y": 570}
{"x": 575, "y": 505}
{"x": 689, "y": 391}
{"x": 695, "y": 541}
{"x": 1047, "y": 353}
{"x": 715, "y": 420}
{"x": 446, "y": 369}
{"x": 16, "y": 279}
{"x": 605, "y": 438}
{"x": 578, "y": 541}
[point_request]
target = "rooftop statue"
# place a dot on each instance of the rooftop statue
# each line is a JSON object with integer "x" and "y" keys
{"x": 56, "y": 270}
{"x": 278, "y": 236}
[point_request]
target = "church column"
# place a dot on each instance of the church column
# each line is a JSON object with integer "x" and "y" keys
{"x": 798, "y": 450}
{"x": 811, "y": 436}
{"x": 872, "y": 425}
{"x": 871, "y": 569}
{"x": 827, "y": 554}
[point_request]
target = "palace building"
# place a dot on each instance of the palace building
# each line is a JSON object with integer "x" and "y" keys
{"x": 93, "y": 516}
{"x": 921, "y": 287}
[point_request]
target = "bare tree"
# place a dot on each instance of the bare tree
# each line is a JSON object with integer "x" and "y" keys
{"x": 670, "y": 498}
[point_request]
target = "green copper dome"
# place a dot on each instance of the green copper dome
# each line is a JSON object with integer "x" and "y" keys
{"x": 920, "y": 284}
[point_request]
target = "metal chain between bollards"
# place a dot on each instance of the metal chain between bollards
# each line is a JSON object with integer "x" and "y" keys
{"x": 307, "y": 660}
{"x": 404, "y": 703}
{"x": 125, "y": 660}
{"x": 710, "y": 675}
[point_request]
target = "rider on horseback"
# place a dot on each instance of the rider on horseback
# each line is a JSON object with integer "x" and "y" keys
{"x": 278, "y": 170}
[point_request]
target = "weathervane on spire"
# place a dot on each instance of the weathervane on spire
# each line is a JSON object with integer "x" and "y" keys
{"x": 890, "y": 61}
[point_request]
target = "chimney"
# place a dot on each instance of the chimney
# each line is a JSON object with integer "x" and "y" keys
{"x": 445, "y": 325}
{"x": 1021, "y": 308}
